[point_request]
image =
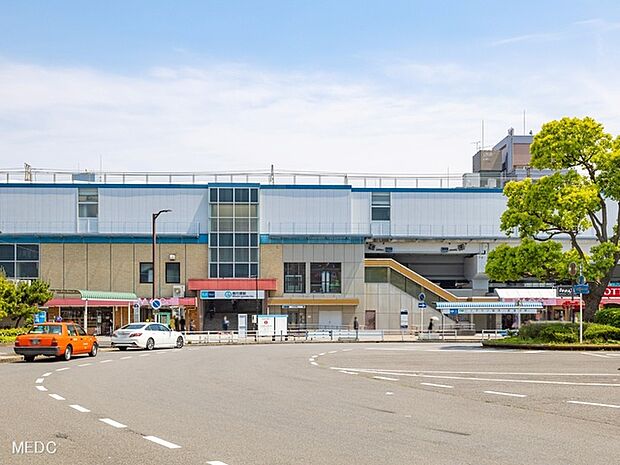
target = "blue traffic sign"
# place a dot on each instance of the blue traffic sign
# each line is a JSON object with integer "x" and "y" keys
{"x": 421, "y": 304}
{"x": 581, "y": 288}
{"x": 454, "y": 311}
{"x": 155, "y": 304}
{"x": 422, "y": 296}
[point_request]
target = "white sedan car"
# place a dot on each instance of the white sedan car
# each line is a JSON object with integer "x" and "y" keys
{"x": 147, "y": 336}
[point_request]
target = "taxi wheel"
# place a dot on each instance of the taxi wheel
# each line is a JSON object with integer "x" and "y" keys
{"x": 93, "y": 351}
{"x": 150, "y": 344}
{"x": 179, "y": 342}
{"x": 29, "y": 358}
{"x": 67, "y": 355}
{"x": 122, "y": 348}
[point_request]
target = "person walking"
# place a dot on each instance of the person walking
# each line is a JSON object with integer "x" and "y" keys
{"x": 356, "y": 327}
{"x": 430, "y": 325}
{"x": 173, "y": 323}
{"x": 182, "y": 324}
{"x": 225, "y": 323}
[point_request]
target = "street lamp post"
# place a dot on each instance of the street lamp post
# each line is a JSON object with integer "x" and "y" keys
{"x": 155, "y": 215}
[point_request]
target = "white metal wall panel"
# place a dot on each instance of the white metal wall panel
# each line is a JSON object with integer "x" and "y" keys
{"x": 128, "y": 210}
{"x": 38, "y": 210}
{"x": 447, "y": 214}
{"x": 305, "y": 211}
{"x": 360, "y": 212}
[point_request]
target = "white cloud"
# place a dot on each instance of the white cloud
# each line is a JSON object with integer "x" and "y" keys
{"x": 235, "y": 117}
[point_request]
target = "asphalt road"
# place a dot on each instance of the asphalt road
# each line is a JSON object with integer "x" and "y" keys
{"x": 316, "y": 404}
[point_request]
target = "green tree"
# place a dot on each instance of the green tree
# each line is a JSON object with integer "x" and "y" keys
{"x": 575, "y": 198}
{"x": 8, "y": 296}
{"x": 29, "y": 297}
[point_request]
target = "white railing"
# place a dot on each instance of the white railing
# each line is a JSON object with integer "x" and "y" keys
{"x": 94, "y": 226}
{"x": 39, "y": 175}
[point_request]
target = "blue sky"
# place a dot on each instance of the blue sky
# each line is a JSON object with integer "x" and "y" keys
{"x": 321, "y": 85}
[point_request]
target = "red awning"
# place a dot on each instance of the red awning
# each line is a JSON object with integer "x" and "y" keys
{"x": 57, "y": 302}
{"x": 232, "y": 284}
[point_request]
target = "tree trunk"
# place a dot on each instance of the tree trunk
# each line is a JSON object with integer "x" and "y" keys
{"x": 19, "y": 319}
{"x": 592, "y": 300}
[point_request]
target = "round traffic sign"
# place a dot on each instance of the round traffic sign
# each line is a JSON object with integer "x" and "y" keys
{"x": 155, "y": 304}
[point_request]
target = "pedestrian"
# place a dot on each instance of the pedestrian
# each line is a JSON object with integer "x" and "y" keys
{"x": 182, "y": 324}
{"x": 173, "y": 321}
{"x": 356, "y": 327}
{"x": 192, "y": 325}
{"x": 430, "y": 325}
{"x": 225, "y": 323}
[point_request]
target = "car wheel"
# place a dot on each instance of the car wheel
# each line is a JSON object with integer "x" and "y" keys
{"x": 67, "y": 355}
{"x": 150, "y": 344}
{"x": 93, "y": 351}
{"x": 29, "y": 358}
{"x": 179, "y": 342}
{"x": 122, "y": 349}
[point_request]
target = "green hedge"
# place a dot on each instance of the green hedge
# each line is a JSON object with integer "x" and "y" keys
{"x": 7, "y": 336}
{"x": 608, "y": 316}
{"x": 567, "y": 333}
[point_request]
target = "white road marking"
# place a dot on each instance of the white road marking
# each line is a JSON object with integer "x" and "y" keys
{"x": 85, "y": 364}
{"x": 125, "y": 358}
{"x": 314, "y": 363}
{"x": 106, "y": 361}
{"x": 56, "y": 396}
{"x": 509, "y": 394}
{"x": 45, "y": 375}
{"x": 215, "y": 462}
{"x": 62, "y": 369}
{"x": 447, "y": 386}
{"x": 321, "y": 354}
{"x": 594, "y": 355}
{"x": 111, "y": 422}
{"x": 79, "y": 408}
{"x": 311, "y": 359}
{"x": 347, "y": 350}
{"x": 332, "y": 351}
{"x": 39, "y": 380}
{"x": 161, "y": 442}
{"x": 385, "y": 378}
{"x": 389, "y": 393}
{"x": 593, "y": 403}
{"x": 41, "y": 388}
{"x": 502, "y": 380}
{"x": 144, "y": 355}
{"x": 348, "y": 372}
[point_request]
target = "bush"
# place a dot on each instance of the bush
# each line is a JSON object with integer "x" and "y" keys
{"x": 600, "y": 333}
{"x": 608, "y": 316}
{"x": 7, "y": 336}
{"x": 550, "y": 332}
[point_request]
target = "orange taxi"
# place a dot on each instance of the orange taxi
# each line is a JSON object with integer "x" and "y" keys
{"x": 61, "y": 340}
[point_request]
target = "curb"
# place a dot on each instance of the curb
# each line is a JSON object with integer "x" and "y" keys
{"x": 565, "y": 347}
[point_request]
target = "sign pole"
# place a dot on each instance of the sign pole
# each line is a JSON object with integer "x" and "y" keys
{"x": 580, "y": 318}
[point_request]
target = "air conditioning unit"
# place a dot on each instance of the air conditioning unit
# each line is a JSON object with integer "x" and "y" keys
{"x": 178, "y": 291}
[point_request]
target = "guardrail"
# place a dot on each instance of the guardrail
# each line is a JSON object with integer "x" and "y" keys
{"x": 494, "y": 333}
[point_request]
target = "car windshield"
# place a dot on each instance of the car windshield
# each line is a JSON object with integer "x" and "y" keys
{"x": 46, "y": 329}
{"x": 133, "y": 326}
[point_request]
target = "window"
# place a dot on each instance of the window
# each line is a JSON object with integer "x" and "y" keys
{"x": 233, "y": 235}
{"x": 295, "y": 277}
{"x": 20, "y": 261}
{"x": 88, "y": 202}
{"x": 146, "y": 272}
{"x": 376, "y": 275}
{"x": 380, "y": 202}
{"x": 71, "y": 330}
{"x": 80, "y": 330}
{"x": 325, "y": 278}
{"x": 173, "y": 273}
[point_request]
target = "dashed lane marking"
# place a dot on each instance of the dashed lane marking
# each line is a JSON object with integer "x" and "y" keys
{"x": 385, "y": 378}
{"x": 126, "y": 358}
{"x": 79, "y": 408}
{"x": 347, "y": 350}
{"x": 311, "y": 359}
{"x": 447, "y": 386}
{"x": 332, "y": 351}
{"x": 41, "y": 388}
{"x": 106, "y": 361}
{"x": 62, "y": 369}
{"x": 215, "y": 462}
{"x": 596, "y": 404}
{"x": 348, "y": 372}
{"x": 508, "y": 394}
{"x": 389, "y": 393}
{"x": 594, "y": 355}
{"x": 56, "y": 396}
{"x": 39, "y": 380}
{"x": 113, "y": 423}
{"x": 314, "y": 363}
{"x": 84, "y": 364}
{"x": 45, "y": 375}
{"x": 144, "y": 355}
{"x": 162, "y": 442}
{"x": 321, "y": 354}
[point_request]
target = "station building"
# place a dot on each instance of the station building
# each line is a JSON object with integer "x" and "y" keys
{"x": 322, "y": 248}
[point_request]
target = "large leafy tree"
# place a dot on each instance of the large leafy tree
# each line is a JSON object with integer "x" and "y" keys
{"x": 578, "y": 201}
{"x": 22, "y": 300}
